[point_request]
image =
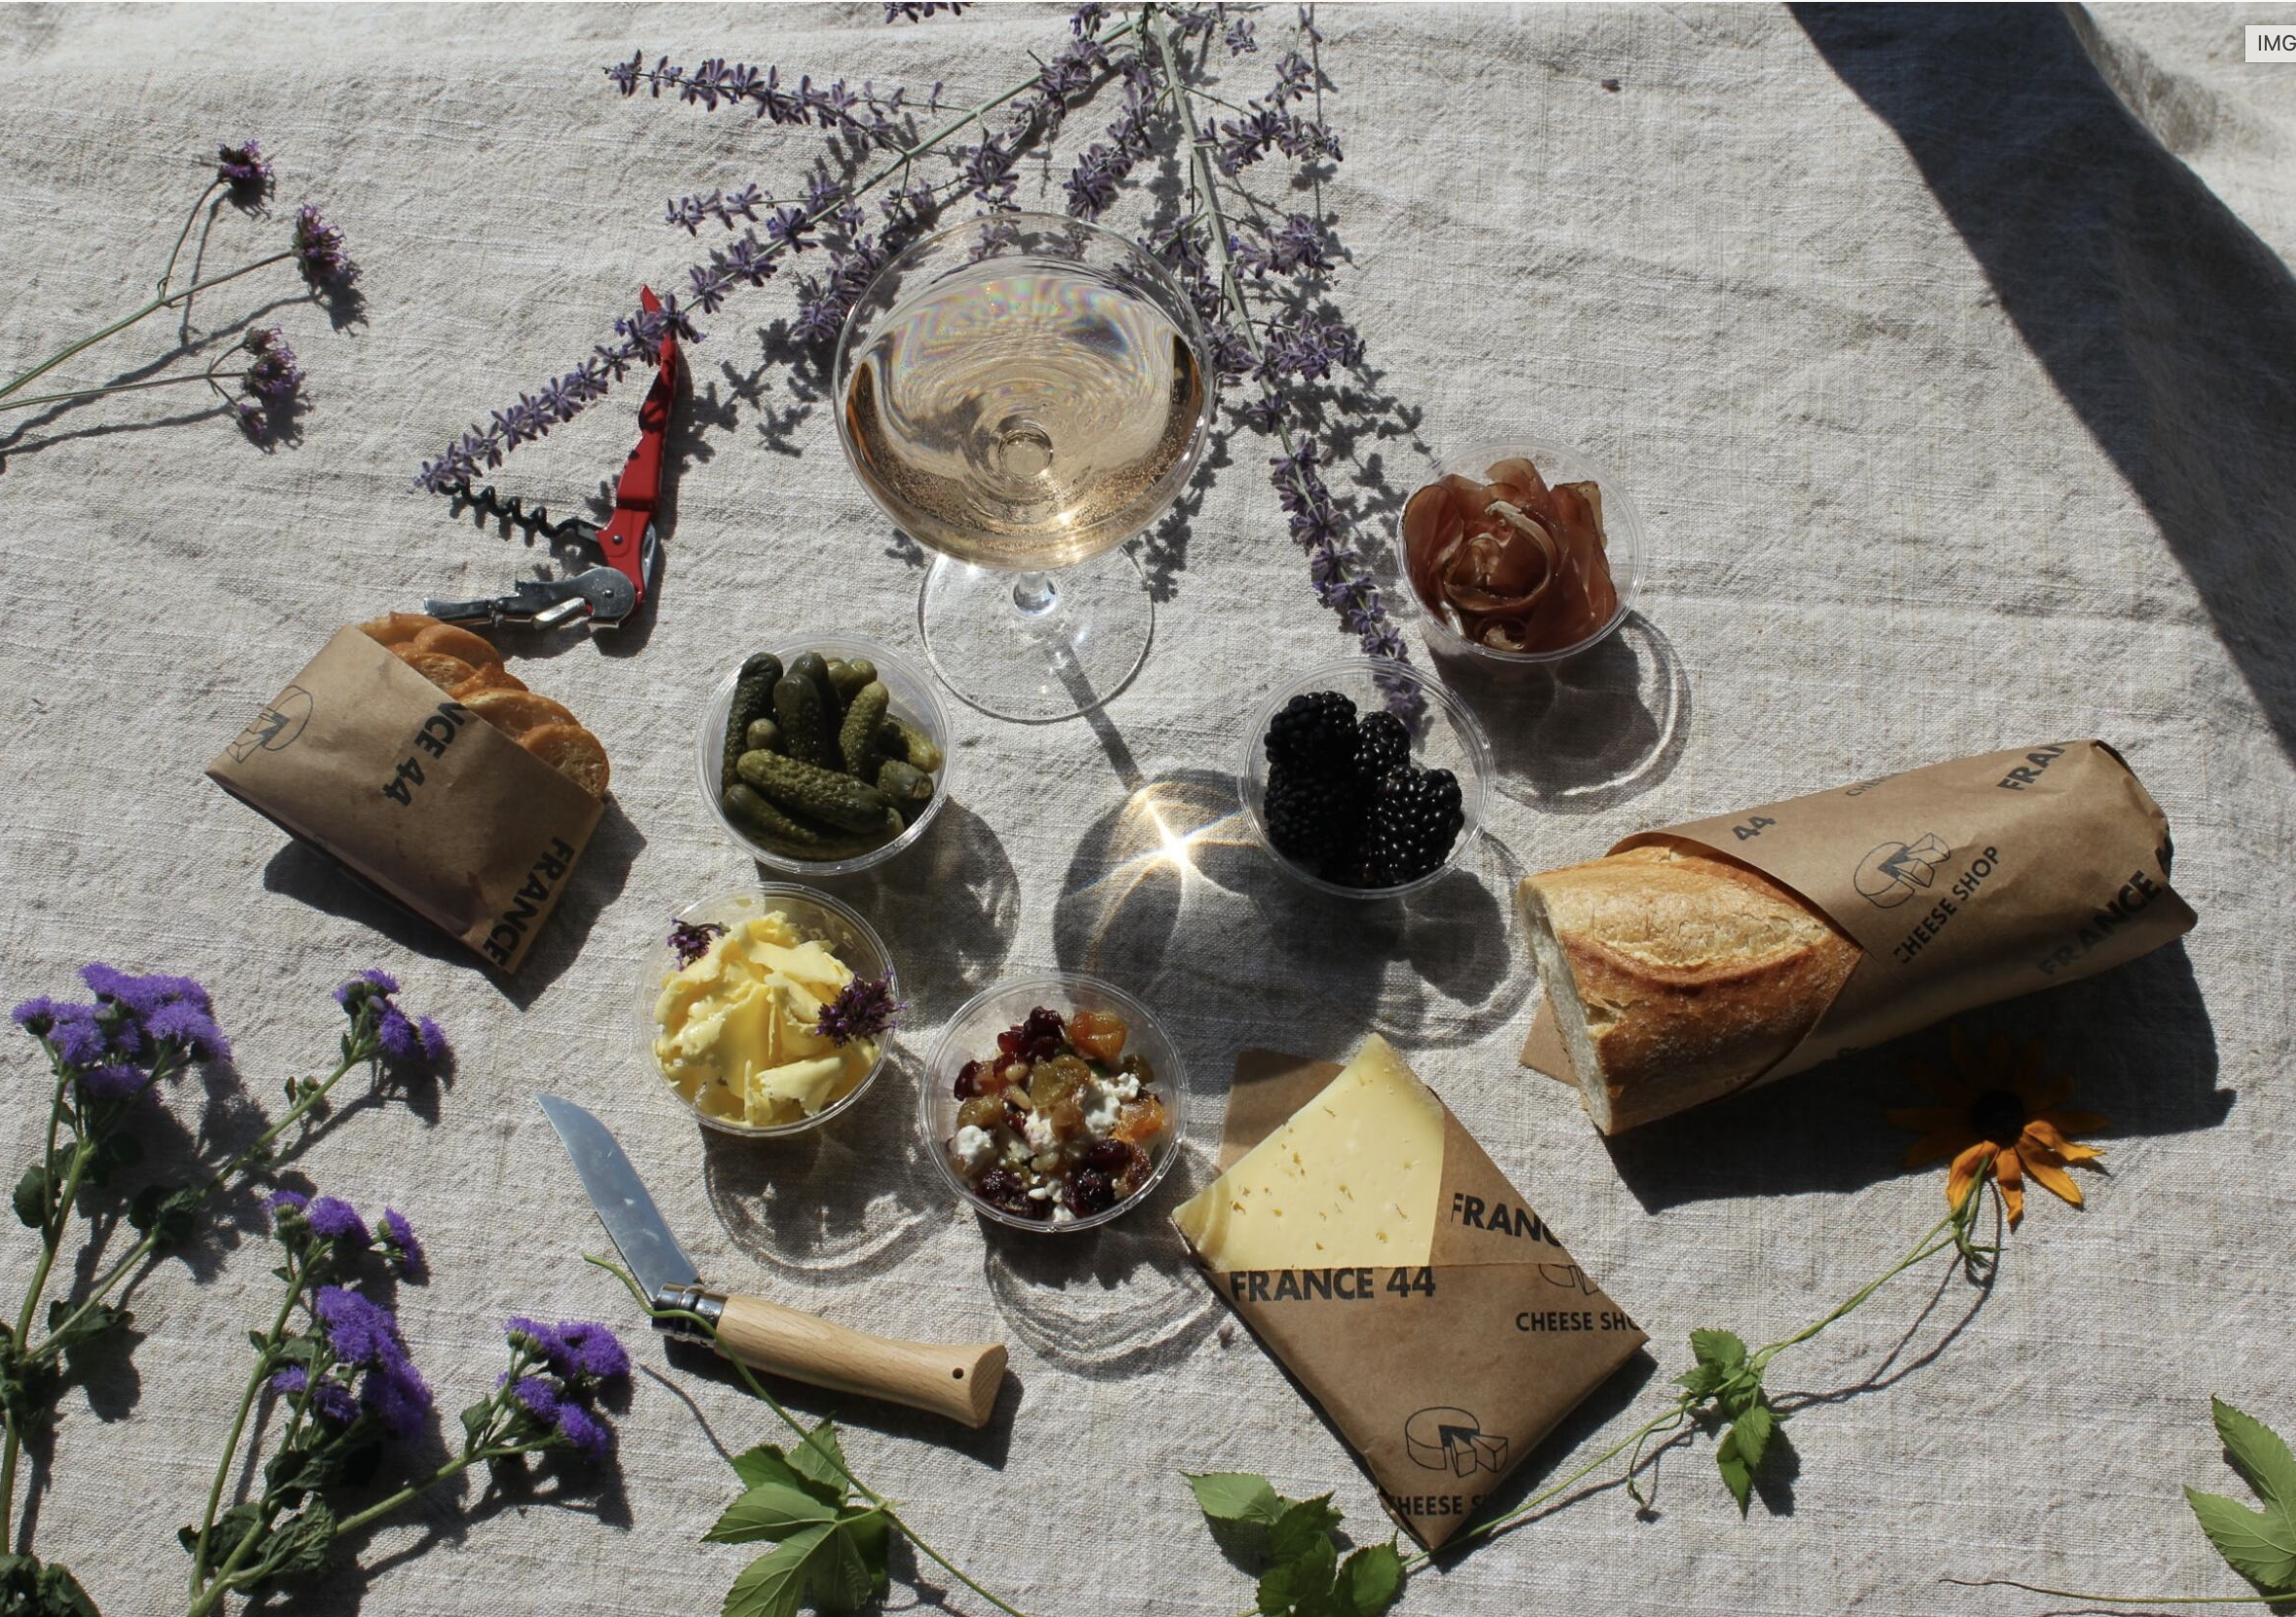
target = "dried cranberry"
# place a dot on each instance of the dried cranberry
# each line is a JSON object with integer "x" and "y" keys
{"x": 968, "y": 1082}
{"x": 1110, "y": 1156}
{"x": 1037, "y": 1037}
{"x": 1090, "y": 1192}
{"x": 1001, "y": 1187}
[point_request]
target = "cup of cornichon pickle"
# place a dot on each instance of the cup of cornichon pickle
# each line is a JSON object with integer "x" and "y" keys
{"x": 824, "y": 756}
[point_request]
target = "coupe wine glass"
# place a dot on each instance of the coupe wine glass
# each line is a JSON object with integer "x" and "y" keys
{"x": 1022, "y": 394}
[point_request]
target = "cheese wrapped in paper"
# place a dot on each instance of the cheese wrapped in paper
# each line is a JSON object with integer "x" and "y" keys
{"x": 1375, "y": 1249}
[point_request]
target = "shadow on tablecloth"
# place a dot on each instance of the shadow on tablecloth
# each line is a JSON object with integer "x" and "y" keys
{"x": 2167, "y": 326}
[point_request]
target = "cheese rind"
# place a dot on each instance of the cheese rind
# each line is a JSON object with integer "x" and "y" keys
{"x": 1352, "y": 1178}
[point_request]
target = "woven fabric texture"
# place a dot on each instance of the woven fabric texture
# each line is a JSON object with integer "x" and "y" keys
{"x": 1948, "y": 354}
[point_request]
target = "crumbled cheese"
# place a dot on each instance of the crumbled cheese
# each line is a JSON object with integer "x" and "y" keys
{"x": 974, "y": 1147}
{"x": 1039, "y": 1132}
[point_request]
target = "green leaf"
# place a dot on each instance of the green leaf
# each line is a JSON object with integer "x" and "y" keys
{"x": 29, "y": 1589}
{"x": 820, "y": 1564}
{"x": 300, "y": 1543}
{"x": 820, "y": 1459}
{"x": 34, "y": 1199}
{"x": 165, "y": 1212}
{"x": 1295, "y": 1581}
{"x": 1703, "y": 1381}
{"x": 1737, "y": 1475}
{"x": 1718, "y": 1347}
{"x": 767, "y": 1463}
{"x": 769, "y": 1510}
{"x": 1236, "y": 1496}
{"x": 870, "y": 1536}
{"x": 229, "y": 1528}
{"x": 2259, "y": 1453}
{"x": 1750, "y": 1435}
{"x": 2258, "y": 1545}
{"x": 1301, "y": 1526}
{"x": 1370, "y": 1579}
{"x": 477, "y": 1418}
{"x": 99, "y": 1319}
{"x": 1740, "y": 1393}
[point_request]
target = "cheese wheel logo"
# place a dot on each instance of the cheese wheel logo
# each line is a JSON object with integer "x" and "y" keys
{"x": 1446, "y": 1439}
{"x": 1895, "y": 872}
{"x": 277, "y": 727}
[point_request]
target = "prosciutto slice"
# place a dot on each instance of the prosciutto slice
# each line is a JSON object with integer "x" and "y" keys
{"x": 1512, "y": 563}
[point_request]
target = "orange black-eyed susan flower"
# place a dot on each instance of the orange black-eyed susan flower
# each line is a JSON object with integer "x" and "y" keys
{"x": 1998, "y": 1107}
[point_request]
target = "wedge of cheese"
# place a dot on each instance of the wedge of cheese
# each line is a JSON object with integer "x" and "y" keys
{"x": 1352, "y": 1178}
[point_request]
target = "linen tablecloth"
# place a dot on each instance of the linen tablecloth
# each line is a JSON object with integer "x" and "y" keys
{"x": 1949, "y": 356}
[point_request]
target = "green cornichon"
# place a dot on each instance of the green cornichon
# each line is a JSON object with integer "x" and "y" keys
{"x": 804, "y": 718}
{"x": 857, "y": 741}
{"x": 769, "y": 824}
{"x": 851, "y": 676}
{"x": 813, "y": 667}
{"x": 918, "y": 746}
{"x": 764, "y": 736}
{"x": 753, "y": 699}
{"x": 907, "y": 786}
{"x": 821, "y": 794}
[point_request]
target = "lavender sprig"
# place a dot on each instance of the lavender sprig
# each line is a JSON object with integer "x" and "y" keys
{"x": 863, "y": 1009}
{"x": 690, "y": 940}
{"x": 828, "y": 217}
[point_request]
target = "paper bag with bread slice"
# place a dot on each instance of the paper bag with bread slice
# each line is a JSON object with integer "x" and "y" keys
{"x": 1703, "y": 958}
{"x": 1386, "y": 1261}
{"x": 368, "y": 757}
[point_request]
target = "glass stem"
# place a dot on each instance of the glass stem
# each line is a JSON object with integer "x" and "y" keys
{"x": 1034, "y": 595}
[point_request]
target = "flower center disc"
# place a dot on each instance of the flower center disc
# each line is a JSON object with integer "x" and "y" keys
{"x": 1998, "y": 1115}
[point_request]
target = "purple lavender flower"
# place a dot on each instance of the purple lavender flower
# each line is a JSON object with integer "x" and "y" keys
{"x": 359, "y": 1330}
{"x": 690, "y": 940}
{"x": 787, "y": 227}
{"x": 332, "y": 1219}
{"x": 404, "y": 1251}
{"x": 863, "y": 1009}
{"x": 318, "y": 251}
{"x": 916, "y": 11}
{"x": 1239, "y": 37}
{"x": 242, "y": 171}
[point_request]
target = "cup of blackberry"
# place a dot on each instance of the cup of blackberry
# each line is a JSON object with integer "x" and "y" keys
{"x": 1365, "y": 779}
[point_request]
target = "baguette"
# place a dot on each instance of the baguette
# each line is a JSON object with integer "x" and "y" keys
{"x": 1677, "y": 977}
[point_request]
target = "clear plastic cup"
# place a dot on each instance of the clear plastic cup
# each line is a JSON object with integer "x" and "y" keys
{"x": 1444, "y": 736}
{"x": 971, "y": 1036}
{"x": 815, "y": 915}
{"x": 913, "y": 700}
{"x": 1622, "y": 530}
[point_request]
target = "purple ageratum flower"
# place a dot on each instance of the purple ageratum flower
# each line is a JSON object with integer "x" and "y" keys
{"x": 403, "y": 1040}
{"x": 375, "y": 982}
{"x": 403, "y": 1250}
{"x": 318, "y": 250}
{"x": 396, "y": 1395}
{"x": 536, "y": 1337}
{"x": 863, "y": 1009}
{"x": 37, "y": 1016}
{"x": 285, "y": 1201}
{"x": 329, "y": 1400}
{"x": 583, "y": 1432}
{"x": 359, "y": 1330}
{"x": 593, "y": 1352}
{"x": 332, "y": 1219}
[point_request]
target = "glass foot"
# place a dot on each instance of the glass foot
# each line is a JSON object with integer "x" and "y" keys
{"x": 1037, "y": 647}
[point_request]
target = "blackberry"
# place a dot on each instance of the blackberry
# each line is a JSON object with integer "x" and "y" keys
{"x": 1383, "y": 746}
{"x": 1315, "y": 733}
{"x": 1313, "y": 819}
{"x": 1415, "y": 819}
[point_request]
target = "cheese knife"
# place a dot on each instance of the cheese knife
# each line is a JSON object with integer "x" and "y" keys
{"x": 959, "y": 1381}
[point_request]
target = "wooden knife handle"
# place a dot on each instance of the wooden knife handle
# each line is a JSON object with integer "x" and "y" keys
{"x": 959, "y": 1381}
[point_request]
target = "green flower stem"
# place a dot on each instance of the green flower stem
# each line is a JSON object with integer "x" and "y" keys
{"x": 2285, "y": 1595}
{"x": 121, "y": 388}
{"x": 185, "y": 234}
{"x": 359, "y": 1048}
{"x": 263, "y": 1360}
{"x": 764, "y": 1394}
{"x": 152, "y": 307}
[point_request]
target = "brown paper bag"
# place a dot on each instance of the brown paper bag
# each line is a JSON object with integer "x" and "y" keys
{"x": 364, "y": 758}
{"x": 1442, "y": 1380}
{"x": 1963, "y": 883}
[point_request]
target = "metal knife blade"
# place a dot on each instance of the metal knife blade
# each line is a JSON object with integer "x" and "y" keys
{"x": 632, "y": 1222}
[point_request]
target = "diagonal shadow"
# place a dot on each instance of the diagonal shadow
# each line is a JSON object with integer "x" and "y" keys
{"x": 2161, "y": 317}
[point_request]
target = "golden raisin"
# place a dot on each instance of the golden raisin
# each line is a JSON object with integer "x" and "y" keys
{"x": 1138, "y": 1122}
{"x": 1098, "y": 1035}
{"x": 983, "y": 1111}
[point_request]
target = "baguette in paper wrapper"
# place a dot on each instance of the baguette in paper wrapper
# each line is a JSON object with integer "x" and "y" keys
{"x": 364, "y": 758}
{"x": 1704, "y": 959}
{"x": 1376, "y": 1250}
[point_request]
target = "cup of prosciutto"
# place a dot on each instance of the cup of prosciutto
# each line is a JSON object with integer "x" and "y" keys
{"x": 1520, "y": 553}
